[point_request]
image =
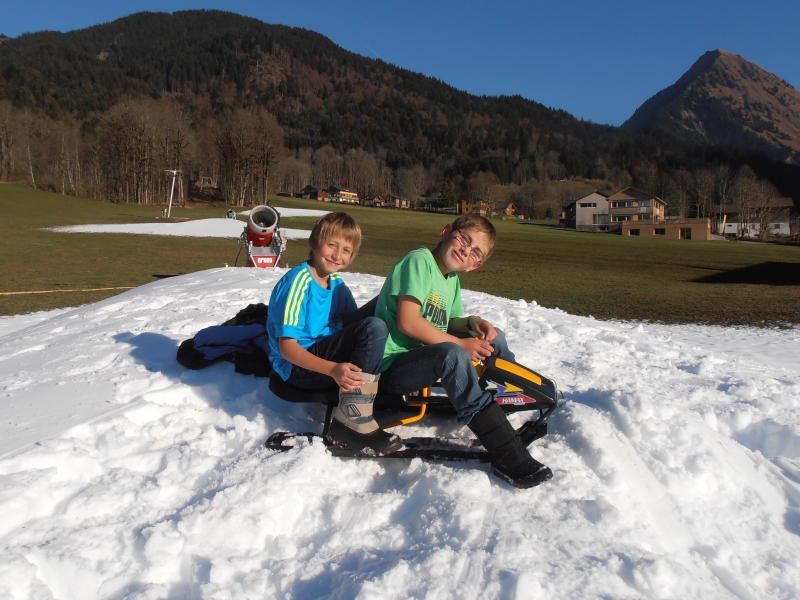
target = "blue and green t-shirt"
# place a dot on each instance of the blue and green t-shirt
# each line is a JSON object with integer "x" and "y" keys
{"x": 417, "y": 275}
{"x": 301, "y": 309}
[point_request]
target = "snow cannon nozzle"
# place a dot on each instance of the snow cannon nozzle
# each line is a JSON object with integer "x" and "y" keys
{"x": 261, "y": 225}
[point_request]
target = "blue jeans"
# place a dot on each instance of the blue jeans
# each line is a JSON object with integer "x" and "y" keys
{"x": 360, "y": 343}
{"x": 423, "y": 366}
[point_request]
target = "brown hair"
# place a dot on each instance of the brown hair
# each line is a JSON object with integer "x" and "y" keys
{"x": 475, "y": 222}
{"x": 336, "y": 224}
{"x": 472, "y": 221}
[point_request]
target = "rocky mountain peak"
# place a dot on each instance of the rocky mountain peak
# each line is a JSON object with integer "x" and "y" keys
{"x": 724, "y": 98}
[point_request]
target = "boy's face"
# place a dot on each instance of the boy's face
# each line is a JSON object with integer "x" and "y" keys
{"x": 332, "y": 255}
{"x": 464, "y": 250}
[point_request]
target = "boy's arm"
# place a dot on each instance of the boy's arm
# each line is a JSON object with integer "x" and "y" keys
{"x": 411, "y": 323}
{"x": 344, "y": 374}
{"x": 465, "y": 325}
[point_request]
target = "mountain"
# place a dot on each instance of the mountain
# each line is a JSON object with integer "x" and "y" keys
{"x": 725, "y": 99}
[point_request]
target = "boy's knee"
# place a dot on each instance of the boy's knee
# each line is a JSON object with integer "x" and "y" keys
{"x": 374, "y": 327}
{"x": 454, "y": 355}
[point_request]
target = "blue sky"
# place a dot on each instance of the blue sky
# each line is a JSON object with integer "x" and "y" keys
{"x": 599, "y": 60}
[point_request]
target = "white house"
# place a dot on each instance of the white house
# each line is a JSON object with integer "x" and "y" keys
{"x": 745, "y": 221}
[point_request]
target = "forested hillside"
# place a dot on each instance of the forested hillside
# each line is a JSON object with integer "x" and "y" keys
{"x": 254, "y": 107}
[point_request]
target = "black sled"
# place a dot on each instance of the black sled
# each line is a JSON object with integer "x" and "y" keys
{"x": 514, "y": 387}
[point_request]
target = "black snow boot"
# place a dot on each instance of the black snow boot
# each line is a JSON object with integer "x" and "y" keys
{"x": 354, "y": 427}
{"x": 510, "y": 459}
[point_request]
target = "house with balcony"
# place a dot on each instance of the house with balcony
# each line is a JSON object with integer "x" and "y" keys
{"x": 635, "y": 213}
{"x": 634, "y": 206}
{"x": 344, "y": 195}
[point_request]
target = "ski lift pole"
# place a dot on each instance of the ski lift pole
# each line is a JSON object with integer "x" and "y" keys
{"x": 172, "y": 190}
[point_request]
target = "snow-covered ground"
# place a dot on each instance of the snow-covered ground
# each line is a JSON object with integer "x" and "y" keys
{"x": 676, "y": 458}
{"x": 225, "y": 228}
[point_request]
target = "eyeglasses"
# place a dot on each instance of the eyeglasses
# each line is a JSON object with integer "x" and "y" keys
{"x": 475, "y": 254}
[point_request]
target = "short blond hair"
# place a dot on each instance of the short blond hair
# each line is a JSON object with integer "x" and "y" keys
{"x": 336, "y": 224}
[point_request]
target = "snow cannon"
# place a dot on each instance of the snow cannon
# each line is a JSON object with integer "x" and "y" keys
{"x": 261, "y": 225}
{"x": 262, "y": 237}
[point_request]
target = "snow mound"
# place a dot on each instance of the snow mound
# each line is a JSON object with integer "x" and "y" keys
{"x": 676, "y": 460}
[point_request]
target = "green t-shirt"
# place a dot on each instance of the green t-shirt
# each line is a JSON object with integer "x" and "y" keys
{"x": 417, "y": 275}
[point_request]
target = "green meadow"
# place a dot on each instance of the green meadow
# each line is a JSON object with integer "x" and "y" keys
{"x": 606, "y": 276}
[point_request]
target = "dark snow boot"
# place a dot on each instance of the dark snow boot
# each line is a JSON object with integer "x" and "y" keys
{"x": 354, "y": 427}
{"x": 510, "y": 458}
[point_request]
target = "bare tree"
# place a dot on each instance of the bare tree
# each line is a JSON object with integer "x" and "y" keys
{"x": 250, "y": 143}
{"x": 411, "y": 183}
{"x": 68, "y": 164}
{"x": 743, "y": 192}
{"x": 35, "y": 139}
{"x": 269, "y": 144}
{"x": 135, "y": 142}
{"x": 765, "y": 213}
{"x": 293, "y": 174}
{"x": 362, "y": 173}
{"x": 326, "y": 166}
{"x": 122, "y": 156}
{"x": 674, "y": 188}
{"x": 235, "y": 156}
{"x": 703, "y": 191}
{"x": 480, "y": 185}
{"x": 7, "y": 140}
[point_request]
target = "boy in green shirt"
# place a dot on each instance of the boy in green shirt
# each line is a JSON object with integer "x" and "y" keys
{"x": 430, "y": 338}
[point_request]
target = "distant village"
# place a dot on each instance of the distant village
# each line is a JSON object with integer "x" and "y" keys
{"x": 629, "y": 212}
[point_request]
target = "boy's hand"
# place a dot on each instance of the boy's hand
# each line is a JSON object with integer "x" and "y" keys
{"x": 483, "y": 328}
{"x": 346, "y": 376}
{"x": 478, "y": 349}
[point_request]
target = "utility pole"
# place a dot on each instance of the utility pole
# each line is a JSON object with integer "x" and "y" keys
{"x": 172, "y": 189}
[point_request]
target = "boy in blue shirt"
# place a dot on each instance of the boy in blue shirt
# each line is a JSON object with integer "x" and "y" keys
{"x": 430, "y": 338}
{"x": 311, "y": 349}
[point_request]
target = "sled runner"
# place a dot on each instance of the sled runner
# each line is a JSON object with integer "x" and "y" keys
{"x": 514, "y": 387}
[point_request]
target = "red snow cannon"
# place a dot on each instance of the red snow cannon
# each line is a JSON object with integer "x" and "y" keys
{"x": 261, "y": 225}
{"x": 263, "y": 238}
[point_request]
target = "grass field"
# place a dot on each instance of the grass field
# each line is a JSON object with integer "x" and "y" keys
{"x": 606, "y": 276}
